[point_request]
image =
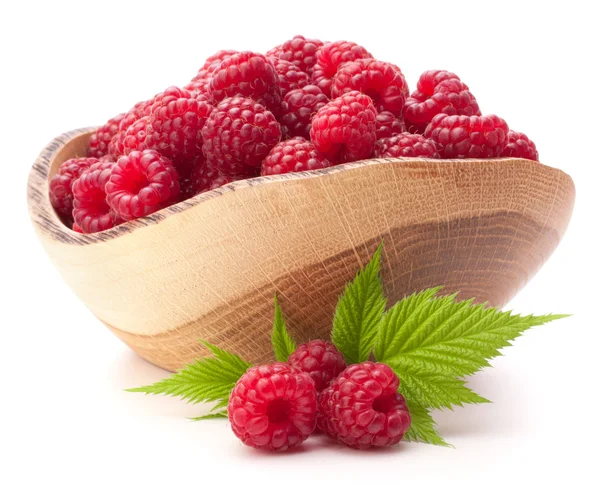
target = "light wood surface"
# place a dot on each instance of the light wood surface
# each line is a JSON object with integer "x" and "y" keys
{"x": 208, "y": 268}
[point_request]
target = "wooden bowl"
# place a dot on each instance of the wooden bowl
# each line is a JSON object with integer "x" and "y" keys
{"x": 208, "y": 268}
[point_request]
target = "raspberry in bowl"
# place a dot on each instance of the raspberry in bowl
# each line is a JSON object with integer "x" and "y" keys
{"x": 179, "y": 237}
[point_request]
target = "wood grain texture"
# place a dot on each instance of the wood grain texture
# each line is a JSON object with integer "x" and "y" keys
{"x": 207, "y": 268}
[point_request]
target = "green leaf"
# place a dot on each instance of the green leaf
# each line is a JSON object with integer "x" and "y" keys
{"x": 206, "y": 380}
{"x": 217, "y": 415}
{"x": 422, "y": 426}
{"x": 283, "y": 344}
{"x": 430, "y": 342}
{"x": 359, "y": 312}
{"x": 433, "y": 389}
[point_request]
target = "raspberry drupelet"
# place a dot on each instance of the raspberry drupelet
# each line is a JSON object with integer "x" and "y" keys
{"x": 61, "y": 185}
{"x": 294, "y": 155}
{"x": 406, "y": 145}
{"x": 518, "y": 145}
{"x": 438, "y": 92}
{"x": 91, "y": 212}
{"x": 461, "y": 136}
{"x": 300, "y": 106}
{"x": 330, "y": 57}
{"x": 273, "y": 407}
{"x": 321, "y": 360}
{"x": 362, "y": 407}
{"x": 383, "y": 82}
{"x": 141, "y": 183}
{"x": 238, "y": 135}
{"x": 247, "y": 74}
{"x": 344, "y": 129}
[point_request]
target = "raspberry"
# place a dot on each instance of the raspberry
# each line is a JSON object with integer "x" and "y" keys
{"x": 290, "y": 77}
{"x": 461, "y": 136}
{"x": 293, "y": 155}
{"x": 139, "y": 110}
{"x": 195, "y": 177}
{"x": 141, "y": 183}
{"x": 219, "y": 181}
{"x": 238, "y": 135}
{"x": 518, "y": 145}
{"x": 61, "y": 194}
{"x": 330, "y": 57}
{"x": 299, "y": 51}
{"x": 134, "y": 138}
{"x": 405, "y": 145}
{"x": 212, "y": 62}
{"x": 344, "y": 129}
{"x": 100, "y": 139}
{"x": 199, "y": 84}
{"x": 176, "y": 122}
{"x": 300, "y": 106}
{"x": 438, "y": 92}
{"x": 91, "y": 212}
{"x": 321, "y": 360}
{"x": 388, "y": 125}
{"x": 362, "y": 407}
{"x": 247, "y": 74}
{"x": 273, "y": 407}
{"x": 77, "y": 228}
{"x": 383, "y": 82}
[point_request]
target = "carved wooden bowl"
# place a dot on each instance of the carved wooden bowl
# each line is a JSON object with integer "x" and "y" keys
{"x": 208, "y": 268}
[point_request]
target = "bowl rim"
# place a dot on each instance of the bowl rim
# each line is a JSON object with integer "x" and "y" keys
{"x": 39, "y": 202}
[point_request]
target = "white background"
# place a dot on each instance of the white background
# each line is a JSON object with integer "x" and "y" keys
{"x": 67, "y": 426}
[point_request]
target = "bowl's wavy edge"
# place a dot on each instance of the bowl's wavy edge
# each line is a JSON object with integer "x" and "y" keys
{"x": 46, "y": 219}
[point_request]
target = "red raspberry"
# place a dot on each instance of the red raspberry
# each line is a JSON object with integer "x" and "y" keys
{"x": 90, "y": 210}
{"x": 290, "y": 77}
{"x": 461, "y": 136}
{"x": 139, "y": 110}
{"x": 293, "y": 155}
{"x": 330, "y": 57}
{"x": 176, "y": 122}
{"x": 438, "y": 92}
{"x": 199, "y": 86}
{"x": 238, "y": 135}
{"x": 135, "y": 136}
{"x": 344, "y": 129}
{"x": 247, "y": 74}
{"x": 61, "y": 193}
{"x": 518, "y": 145}
{"x": 100, "y": 139}
{"x": 273, "y": 407}
{"x": 388, "y": 125}
{"x": 406, "y": 145}
{"x": 383, "y": 82}
{"x": 212, "y": 62}
{"x": 299, "y": 51}
{"x": 141, "y": 183}
{"x": 362, "y": 407}
{"x": 77, "y": 228}
{"x": 195, "y": 177}
{"x": 321, "y": 360}
{"x": 300, "y": 106}
{"x": 219, "y": 181}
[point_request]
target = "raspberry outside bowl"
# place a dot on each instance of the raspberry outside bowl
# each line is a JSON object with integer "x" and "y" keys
{"x": 207, "y": 268}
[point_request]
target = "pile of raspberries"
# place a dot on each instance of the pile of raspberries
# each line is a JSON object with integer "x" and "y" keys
{"x": 304, "y": 105}
{"x": 277, "y": 406}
